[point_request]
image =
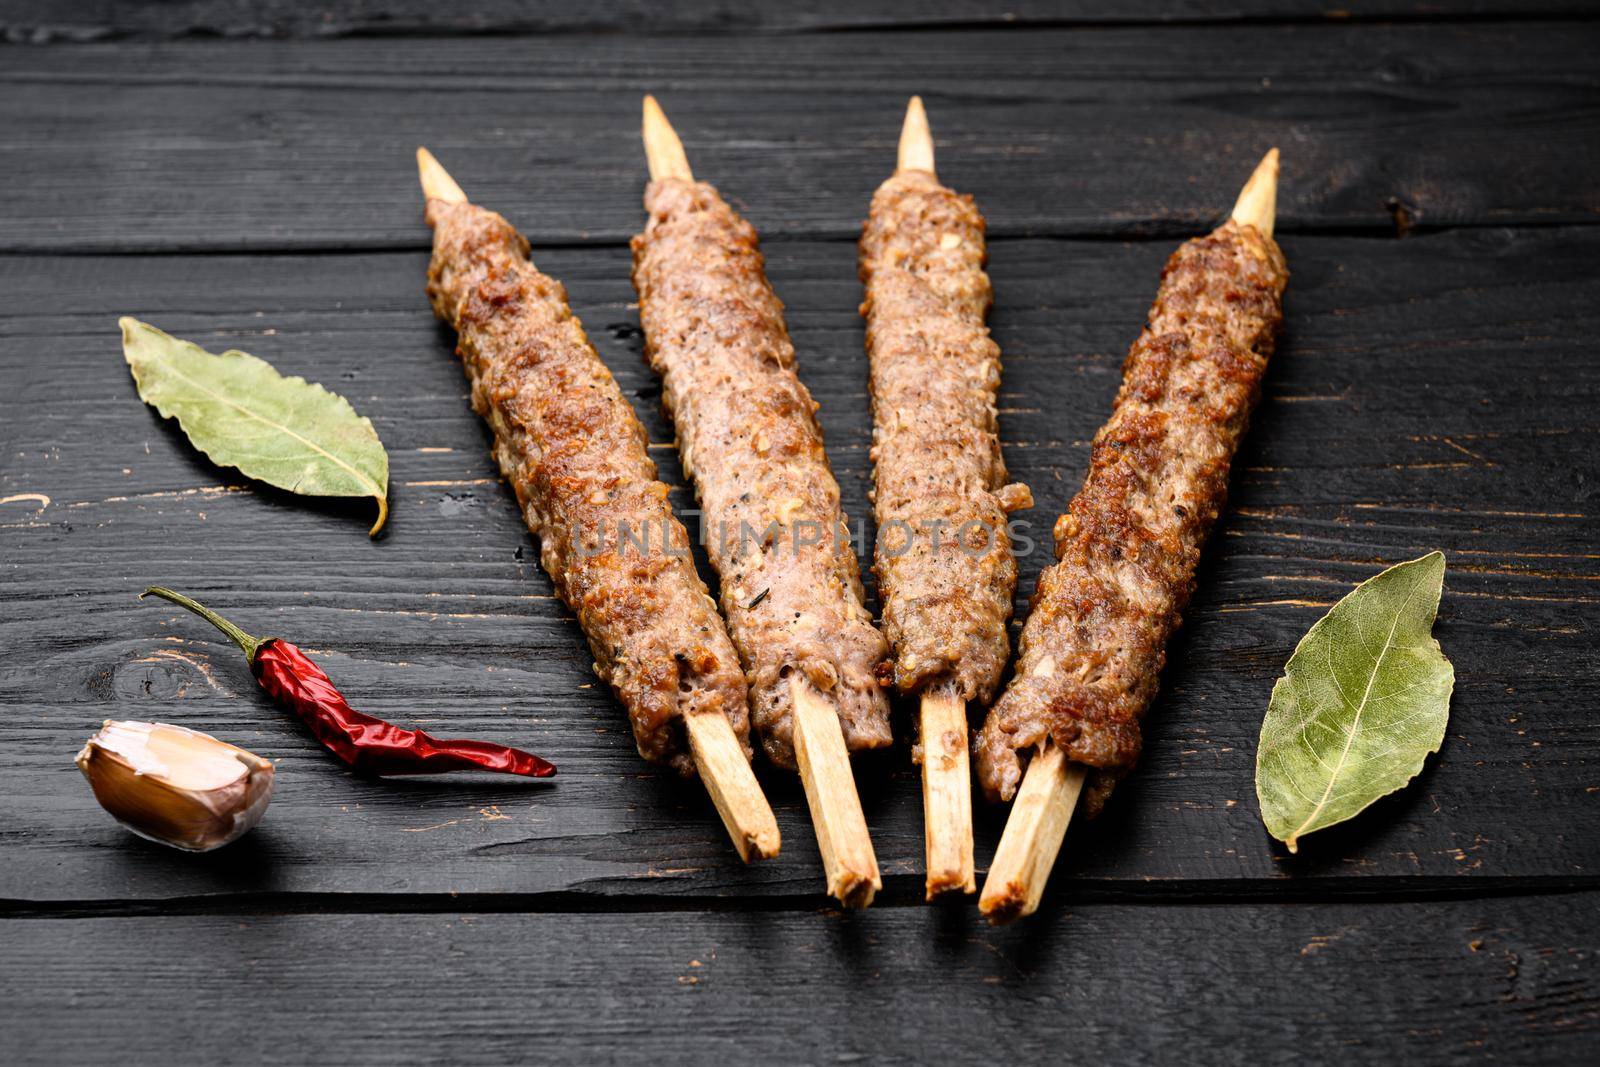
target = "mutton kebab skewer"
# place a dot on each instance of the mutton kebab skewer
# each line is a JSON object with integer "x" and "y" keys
{"x": 749, "y": 439}
{"x": 944, "y": 561}
{"x": 575, "y": 454}
{"x": 1095, "y": 641}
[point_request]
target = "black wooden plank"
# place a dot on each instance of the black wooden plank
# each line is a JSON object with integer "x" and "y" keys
{"x": 253, "y": 145}
{"x": 1433, "y": 392}
{"x": 1513, "y": 980}
{"x": 41, "y": 22}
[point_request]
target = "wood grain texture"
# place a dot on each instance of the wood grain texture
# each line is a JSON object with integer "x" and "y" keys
{"x": 44, "y": 22}
{"x": 250, "y": 145}
{"x": 1432, "y": 392}
{"x": 1514, "y": 980}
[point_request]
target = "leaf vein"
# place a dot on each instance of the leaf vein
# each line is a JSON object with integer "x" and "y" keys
{"x": 360, "y": 476}
{"x": 1355, "y": 722}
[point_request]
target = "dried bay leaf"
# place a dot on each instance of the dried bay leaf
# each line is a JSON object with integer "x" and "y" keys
{"x": 242, "y": 413}
{"x": 1362, "y": 703}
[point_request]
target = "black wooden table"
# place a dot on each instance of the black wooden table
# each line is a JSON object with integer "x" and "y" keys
{"x": 240, "y": 174}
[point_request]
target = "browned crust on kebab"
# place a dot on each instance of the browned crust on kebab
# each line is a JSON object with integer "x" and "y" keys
{"x": 946, "y": 573}
{"x": 1130, "y": 541}
{"x": 575, "y": 454}
{"x": 748, "y": 436}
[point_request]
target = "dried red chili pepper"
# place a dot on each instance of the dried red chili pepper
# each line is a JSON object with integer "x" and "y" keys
{"x": 370, "y": 745}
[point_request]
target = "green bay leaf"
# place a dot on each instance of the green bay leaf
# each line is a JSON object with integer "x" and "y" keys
{"x": 1362, "y": 703}
{"x": 242, "y": 413}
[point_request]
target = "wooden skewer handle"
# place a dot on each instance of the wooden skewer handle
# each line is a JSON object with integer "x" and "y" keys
{"x": 1034, "y": 830}
{"x": 946, "y": 795}
{"x": 847, "y": 856}
{"x": 733, "y": 787}
{"x": 1033, "y": 835}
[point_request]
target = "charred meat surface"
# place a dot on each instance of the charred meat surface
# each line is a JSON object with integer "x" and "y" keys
{"x": 748, "y": 437}
{"x": 946, "y": 573}
{"x": 1091, "y": 653}
{"x": 575, "y": 454}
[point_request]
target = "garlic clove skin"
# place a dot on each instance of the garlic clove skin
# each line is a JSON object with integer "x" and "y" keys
{"x": 176, "y": 786}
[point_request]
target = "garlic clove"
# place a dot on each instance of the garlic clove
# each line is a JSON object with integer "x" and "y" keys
{"x": 176, "y": 786}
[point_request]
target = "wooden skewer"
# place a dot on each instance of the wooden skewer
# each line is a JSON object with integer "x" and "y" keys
{"x": 1258, "y": 202}
{"x": 946, "y": 770}
{"x": 436, "y": 181}
{"x": 662, "y": 148}
{"x": 726, "y": 772}
{"x": 1034, "y": 830}
{"x": 717, "y": 753}
{"x": 1051, "y": 787}
{"x": 847, "y": 857}
{"x": 916, "y": 140}
{"x": 1032, "y": 839}
{"x": 946, "y": 794}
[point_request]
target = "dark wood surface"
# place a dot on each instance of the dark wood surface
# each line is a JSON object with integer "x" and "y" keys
{"x": 1437, "y": 388}
{"x": 233, "y": 145}
{"x": 1403, "y": 982}
{"x": 41, "y": 21}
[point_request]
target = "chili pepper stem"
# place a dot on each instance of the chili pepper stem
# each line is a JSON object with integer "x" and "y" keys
{"x": 250, "y": 645}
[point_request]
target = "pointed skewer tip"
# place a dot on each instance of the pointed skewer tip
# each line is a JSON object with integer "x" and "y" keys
{"x": 436, "y": 181}
{"x": 1258, "y": 201}
{"x": 916, "y": 139}
{"x": 662, "y": 149}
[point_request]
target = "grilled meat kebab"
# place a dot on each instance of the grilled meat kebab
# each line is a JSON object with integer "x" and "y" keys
{"x": 574, "y": 453}
{"x": 946, "y": 572}
{"x": 749, "y": 439}
{"x": 1091, "y": 653}
{"x": 945, "y": 569}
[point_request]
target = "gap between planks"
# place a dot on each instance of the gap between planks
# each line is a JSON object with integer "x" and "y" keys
{"x": 175, "y": 32}
{"x": 1152, "y": 230}
{"x": 900, "y": 891}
